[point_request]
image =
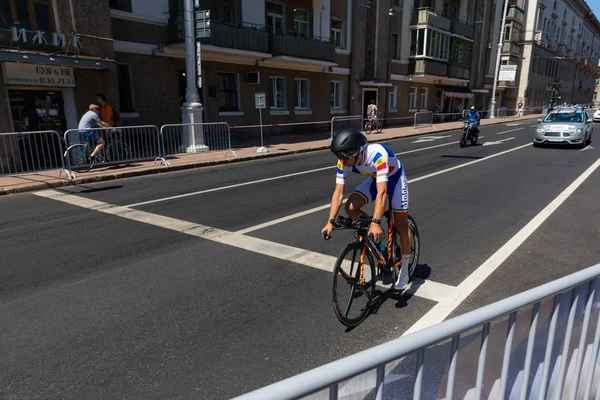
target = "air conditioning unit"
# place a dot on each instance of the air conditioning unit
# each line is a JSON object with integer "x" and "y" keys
{"x": 253, "y": 78}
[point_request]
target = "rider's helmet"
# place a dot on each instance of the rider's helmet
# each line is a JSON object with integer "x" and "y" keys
{"x": 472, "y": 108}
{"x": 347, "y": 143}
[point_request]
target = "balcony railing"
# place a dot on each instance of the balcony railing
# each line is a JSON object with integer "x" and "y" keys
{"x": 540, "y": 38}
{"x": 511, "y": 48}
{"x": 461, "y": 28}
{"x": 431, "y": 18}
{"x": 515, "y": 13}
{"x": 237, "y": 37}
{"x": 459, "y": 71}
{"x": 297, "y": 46}
{"x": 427, "y": 67}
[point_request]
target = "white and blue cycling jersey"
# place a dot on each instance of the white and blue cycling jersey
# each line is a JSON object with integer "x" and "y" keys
{"x": 379, "y": 165}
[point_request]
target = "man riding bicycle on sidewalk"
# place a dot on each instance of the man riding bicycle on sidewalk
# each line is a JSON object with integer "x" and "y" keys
{"x": 90, "y": 121}
{"x": 386, "y": 177}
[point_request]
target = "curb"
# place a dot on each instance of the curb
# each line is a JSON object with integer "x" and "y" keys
{"x": 58, "y": 183}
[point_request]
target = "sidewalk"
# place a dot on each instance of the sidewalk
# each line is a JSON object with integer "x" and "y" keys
{"x": 277, "y": 145}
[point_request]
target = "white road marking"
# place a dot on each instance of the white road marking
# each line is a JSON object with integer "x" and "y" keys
{"x": 533, "y": 126}
{"x": 511, "y": 130}
{"x": 497, "y": 142}
{"x": 430, "y": 138}
{"x": 326, "y": 206}
{"x": 513, "y": 123}
{"x": 425, "y": 289}
{"x": 179, "y": 196}
{"x": 440, "y": 311}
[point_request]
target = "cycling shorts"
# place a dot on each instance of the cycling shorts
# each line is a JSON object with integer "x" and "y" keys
{"x": 397, "y": 191}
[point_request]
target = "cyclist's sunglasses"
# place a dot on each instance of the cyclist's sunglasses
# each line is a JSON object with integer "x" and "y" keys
{"x": 345, "y": 156}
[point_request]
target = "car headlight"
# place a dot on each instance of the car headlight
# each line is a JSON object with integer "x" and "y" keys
{"x": 579, "y": 130}
{"x": 540, "y": 130}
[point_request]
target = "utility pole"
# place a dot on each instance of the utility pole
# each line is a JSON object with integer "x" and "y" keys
{"x": 192, "y": 109}
{"x": 498, "y": 56}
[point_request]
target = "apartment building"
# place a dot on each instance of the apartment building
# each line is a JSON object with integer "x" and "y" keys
{"x": 54, "y": 58}
{"x": 551, "y": 41}
{"x": 314, "y": 59}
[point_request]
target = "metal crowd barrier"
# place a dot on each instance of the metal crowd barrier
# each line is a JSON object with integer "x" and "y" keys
{"x": 423, "y": 118}
{"x": 195, "y": 138}
{"x": 539, "y": 344}
{"x": 27, "y": 152}
{"x": 501, "y": 112}
{"x": 346, "y": 122}
{"x": 123, "y": 145}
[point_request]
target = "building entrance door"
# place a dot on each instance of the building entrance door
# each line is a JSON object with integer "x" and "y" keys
{"x": 34, "y": 110}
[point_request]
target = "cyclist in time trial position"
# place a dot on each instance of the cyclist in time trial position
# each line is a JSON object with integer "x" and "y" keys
{"x": 473, "y": 116}
{"x": 386, "y": 177}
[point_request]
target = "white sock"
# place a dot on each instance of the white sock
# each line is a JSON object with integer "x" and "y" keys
{"x": 405, "y": 260}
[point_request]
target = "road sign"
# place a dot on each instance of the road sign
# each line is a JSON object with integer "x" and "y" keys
{"x": 202, "y": 18}
{"x": 259, "y": 100}
{"x": 507, "y": 73}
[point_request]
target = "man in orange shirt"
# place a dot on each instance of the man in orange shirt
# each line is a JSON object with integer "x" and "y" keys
{"x": 106, "y": 111}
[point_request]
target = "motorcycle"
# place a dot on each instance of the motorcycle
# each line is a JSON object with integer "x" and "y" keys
{"x": 469, "y": 133}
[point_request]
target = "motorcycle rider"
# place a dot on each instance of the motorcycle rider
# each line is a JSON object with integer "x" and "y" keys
{"x": 473, "y": 116}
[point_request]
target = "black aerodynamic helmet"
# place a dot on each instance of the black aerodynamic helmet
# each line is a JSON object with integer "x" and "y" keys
{"x": 347, "y": 143}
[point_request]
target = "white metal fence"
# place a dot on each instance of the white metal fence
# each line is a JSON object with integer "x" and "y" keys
{"x": 28, "y": 152}
{"x": 423, "y": 119}
{"x": 346, "y": 122}
{"x": 123, "y": 145}
{"x": 195, "y": 138}
{"x": 539, "y": 344}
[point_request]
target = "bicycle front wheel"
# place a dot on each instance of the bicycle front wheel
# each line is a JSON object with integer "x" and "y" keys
{"x": 78, "y": 157}
{"x": 353, "y": 284}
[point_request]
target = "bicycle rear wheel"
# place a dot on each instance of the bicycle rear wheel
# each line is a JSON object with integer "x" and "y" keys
{"x": 379, "y": 126}
{"x": 78, "y": 157}
{"x": 360, "y": 284}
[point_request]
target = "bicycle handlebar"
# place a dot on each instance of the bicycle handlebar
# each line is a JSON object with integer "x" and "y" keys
{"x": 346, "y": 223}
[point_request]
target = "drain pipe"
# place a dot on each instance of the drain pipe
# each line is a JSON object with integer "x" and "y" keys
{"x": 388, "y": 76}
{"x": 352, "y": 58}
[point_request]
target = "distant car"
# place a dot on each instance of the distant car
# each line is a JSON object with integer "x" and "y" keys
{"x": 597, "y": 115}
{"x": 571, "y": 126}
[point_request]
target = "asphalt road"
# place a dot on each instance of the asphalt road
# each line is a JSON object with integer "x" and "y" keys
{"x": 212, "y": 282}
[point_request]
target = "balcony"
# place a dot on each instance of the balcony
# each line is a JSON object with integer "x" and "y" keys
{"x": 511, "y": 48}
{"x": 225, "y": 35}
{"x": 427, "y": 67}
{"x": 237, "y": 37}
{"x": 515, "y": 14}
{"x": 431, "y": 18}
{"x": 296, "y": 46}
{"x": 459, "y": 71}
{"x": 540, "y": 38}
{"x": 461, "y": 28}
{"x": 517, "y": 3}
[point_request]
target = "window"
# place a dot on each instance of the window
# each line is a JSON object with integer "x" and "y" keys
{"x": 277, "y": 93}
{"x": 302, "y": 93}
{"x": 30, "y": 14}
{"x": 229, "y": 12}
{"x": 423, "y": 98}
{"x": 430, "y": 43}
{"x": 123, "y": 5}
{"x": 394, "y": 46}
{"x": 274, "y": 18}
{"x": 336, "y": 95}
{"x": 227, "y": 92}
{"x": 125, "y": 88}
{"x": 412, "y": 98}
{"x": 301, "y": 23}
{"x": 337, "y": 32}
{"x": 393, "y": 97}
{"x": 461, "y": 51}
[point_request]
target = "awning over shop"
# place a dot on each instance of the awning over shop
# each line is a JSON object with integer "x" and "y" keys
{"x": 51, "y": 59}
{"x": 457, "y": 92}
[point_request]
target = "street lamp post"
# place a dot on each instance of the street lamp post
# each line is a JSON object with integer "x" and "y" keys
{"x": 498, "y": 56}
{"x": 192, "y": 109}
